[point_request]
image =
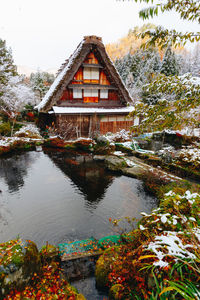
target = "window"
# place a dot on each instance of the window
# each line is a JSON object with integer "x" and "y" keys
{"x": 104, "y": 94}
{"x": 90, "y": 93}
{"x": 77, "y": 93}
{"x": 86, "y": 73}
{"x": 91, "y": 73}
{"x": 95, "y": 73}
{"x": 90, "y": 96}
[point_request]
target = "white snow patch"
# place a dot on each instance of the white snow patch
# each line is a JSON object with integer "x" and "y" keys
{"x": 173, "y": 244}
{"x": 118, "y": 153}
{"x": 30, "y": 127}
{"x": 129, "y": 162}
{"x": 142, "y": 227}
{"x": 89, "y": 110}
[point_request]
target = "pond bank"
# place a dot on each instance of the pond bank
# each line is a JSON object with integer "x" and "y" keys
{"x": 181, "y": 168}
{"x": 160, "y": 257}
{"x": 26, "y": 273}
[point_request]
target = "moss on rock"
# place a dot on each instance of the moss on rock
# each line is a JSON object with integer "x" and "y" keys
{"x": 116, "y": 292}
{"x": 49, "y": 253}
{"x": 32, "y": 260}
{"x": 103, "y": 265}
{"x": 115, "y": 163}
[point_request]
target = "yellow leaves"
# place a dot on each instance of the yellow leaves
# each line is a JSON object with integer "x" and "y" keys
{"x": 134, "y": 262}
{"x": 80, "y": 297}
{"x": 167, "y": 289}
{"x": 147, "y": 256}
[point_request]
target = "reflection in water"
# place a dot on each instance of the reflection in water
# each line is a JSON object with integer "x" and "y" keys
{"x": 58, "y": 197}
{"x": 88, "y": 175}
{"x": 13, "y": 169}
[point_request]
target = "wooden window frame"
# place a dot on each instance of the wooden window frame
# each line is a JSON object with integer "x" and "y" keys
{"x": 80, "y": 92}
{"x": 103, "y": 91}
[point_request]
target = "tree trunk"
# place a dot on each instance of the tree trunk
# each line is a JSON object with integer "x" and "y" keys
{"x": 12, "y": 128}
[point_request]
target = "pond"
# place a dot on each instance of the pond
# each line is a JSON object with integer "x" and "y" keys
{"x": 58, "y": 196}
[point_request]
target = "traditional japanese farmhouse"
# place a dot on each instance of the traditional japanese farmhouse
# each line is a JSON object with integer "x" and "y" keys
{"x": 88, "y": 96}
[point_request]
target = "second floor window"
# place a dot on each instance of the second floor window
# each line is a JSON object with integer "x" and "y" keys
{"x": 91, "y": 73}
{"x": 77, "y": 93}
{"x": 90, "y": 93}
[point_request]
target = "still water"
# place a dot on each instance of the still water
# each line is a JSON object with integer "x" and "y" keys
{"x": 58, "y": 197}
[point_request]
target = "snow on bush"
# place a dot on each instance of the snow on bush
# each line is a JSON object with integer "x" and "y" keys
{"x": 169, "y": 244}
{"x": 177, "y": 220}
{"x": 30, "y": 131}
{"x": 190, "y": 155}
{"x": 15, "y": 96}
{"x": 120, "y": 136}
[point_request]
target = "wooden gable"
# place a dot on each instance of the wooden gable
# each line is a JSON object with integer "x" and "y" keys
{"x": 89, "y": 84}
{"x": 87, "y": 76}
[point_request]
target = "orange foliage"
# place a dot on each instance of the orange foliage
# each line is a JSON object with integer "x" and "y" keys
{"x": 129, "y": 44}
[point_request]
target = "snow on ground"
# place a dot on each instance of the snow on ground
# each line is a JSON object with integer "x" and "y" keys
{"x": 9, "y": 141}
{"x": 187, "y": 131}
{"x": 26, "y": 134}
{"x": 118, "y": 153}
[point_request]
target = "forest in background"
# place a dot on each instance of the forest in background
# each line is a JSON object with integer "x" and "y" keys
{"x": 138, "y": 66}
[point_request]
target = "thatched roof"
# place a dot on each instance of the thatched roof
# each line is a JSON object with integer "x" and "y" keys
{"x": 71, "y": 66}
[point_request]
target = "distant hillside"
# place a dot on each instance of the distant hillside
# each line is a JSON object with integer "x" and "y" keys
{"x": 24, "y": 70}
{"x": 130, "y": 43}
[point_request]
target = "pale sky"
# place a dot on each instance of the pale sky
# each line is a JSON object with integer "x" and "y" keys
{"x": 43, "y": 33}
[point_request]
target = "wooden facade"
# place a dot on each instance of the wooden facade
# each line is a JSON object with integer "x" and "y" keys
{"x": 88, "y": 96}
{"x": 90, "y": 125}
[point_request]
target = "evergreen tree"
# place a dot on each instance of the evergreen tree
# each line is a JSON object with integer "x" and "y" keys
{"x": 123, "y": 66}
{"x": 170, "y": 65}
{"x": 195, "y": 64}
{"x": 7, "y": 67}
{"x": 130, "y": 85}
{"x": 136, "y": 65}
{"x": 138, "y": 70}
{"x": 40, "y": 82}
{"x": 145, "y": 63}
{"x": 145, "y": 66}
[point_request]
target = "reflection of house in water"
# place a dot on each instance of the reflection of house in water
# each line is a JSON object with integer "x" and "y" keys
{"x": 89, "y": 176}
{"x": 14, "y": 169}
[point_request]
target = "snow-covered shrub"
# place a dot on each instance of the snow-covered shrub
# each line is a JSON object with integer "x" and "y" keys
{"x": 30, "y": 131}
{"x": 189, "y": 155}
{"x": 120, "y": 136}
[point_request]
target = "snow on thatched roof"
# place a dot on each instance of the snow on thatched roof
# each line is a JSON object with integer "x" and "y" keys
{"x": 71, "y": 66}
{"x": 59, "y": 78}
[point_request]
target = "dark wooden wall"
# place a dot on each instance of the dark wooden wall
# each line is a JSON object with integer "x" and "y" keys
{"x": 74, "y": 126}
{"x": 115, "y": 126}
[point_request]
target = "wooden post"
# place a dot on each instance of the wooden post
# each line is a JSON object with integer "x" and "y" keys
{"x": 90, "y": 126}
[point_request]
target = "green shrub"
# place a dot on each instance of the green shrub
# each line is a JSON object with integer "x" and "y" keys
{"x": 5, "y": 128}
